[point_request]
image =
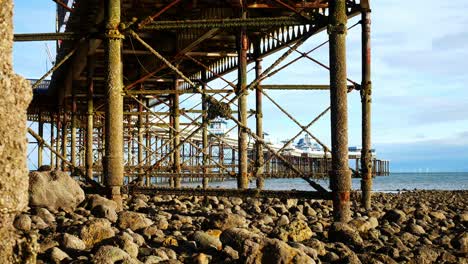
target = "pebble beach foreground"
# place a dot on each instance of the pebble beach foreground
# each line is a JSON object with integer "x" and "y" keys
{"x": 410, "y": 227}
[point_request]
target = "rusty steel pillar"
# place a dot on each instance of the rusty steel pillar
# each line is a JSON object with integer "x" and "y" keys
{"x": 366, "y": 91}
{"x": 258, "y": 118}
{"x": 113, "y": 169}
{"x": 140, "y": 137}
{"x": 205, "y": 160}
{"x": 52, "y": 140}
{"x": 340, "y": 175}
{"x": 243, "y": 45}
{"x": 64, "y": 137}
{"x": 148, "y": 145}
{"x": 90, "y": 118}
{"x": 40, "y": 147}
{"x": 73, "y": 122}
{"x": 176, "y": 117}
{"x": 58, "y": 125}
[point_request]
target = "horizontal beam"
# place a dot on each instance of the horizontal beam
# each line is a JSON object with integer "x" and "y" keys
{"x": 45, "y": 36}
{"x": 225, "y": 23}
{"x": 247, "y": 193}
{"x": 158, "y": 92}
{"x": 297, "y": 87}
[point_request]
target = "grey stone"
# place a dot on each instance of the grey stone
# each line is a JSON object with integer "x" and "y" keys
{"x": 54, "y": 190}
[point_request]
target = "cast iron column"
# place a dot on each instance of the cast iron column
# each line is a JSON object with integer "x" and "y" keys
{"x": 64, "y": 137}
{"x": 73, "y": 129}
{"x": 176, "y": 117}
{"x": 340, "y": 175}
{"x": 259, "y": 119}
{"x": 140, "y": 138}
{"x": 58, "y": 125}
{"x": 366, "y": 91}
{"x": 113, "y": 170}
{"x": 90, "y": 120}
{"x": 52, "y": 140}
{"x": 40, "y": 147}
{"x": 243, "y": 45}
{"x": 205, "y": 161}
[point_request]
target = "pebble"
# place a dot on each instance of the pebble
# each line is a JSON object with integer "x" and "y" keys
{"x": 166, "y": 229}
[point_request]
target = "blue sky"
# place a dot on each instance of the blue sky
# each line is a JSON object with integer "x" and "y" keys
{"x": 420, "y": 57}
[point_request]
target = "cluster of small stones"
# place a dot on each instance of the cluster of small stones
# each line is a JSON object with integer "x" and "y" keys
{"x": 411, "y": 227}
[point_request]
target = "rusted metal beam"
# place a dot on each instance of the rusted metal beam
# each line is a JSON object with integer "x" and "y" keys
{"x": 366, "y": 91}
{"x": 224, "y": 23}
{"x": 62, "y": 4}
{"x": 45, "y": 36}
{"x": 38, "y": 82}
{"x": 163, "y": 92}
{"x": 324, "y": 87}
{"x": 340, "y": 175}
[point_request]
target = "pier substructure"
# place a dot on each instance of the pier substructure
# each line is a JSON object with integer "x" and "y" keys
{"x": 169, "y": 61}
{"x": 113, "y": 169}
{"x": 340, "y": 175}
{"x": 366, "y": 91}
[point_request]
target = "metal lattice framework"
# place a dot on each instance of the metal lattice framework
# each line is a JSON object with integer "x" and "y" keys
{"x": 130, "y": 100}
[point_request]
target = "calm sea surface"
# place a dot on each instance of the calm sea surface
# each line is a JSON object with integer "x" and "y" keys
{"x": 394, "y": 182}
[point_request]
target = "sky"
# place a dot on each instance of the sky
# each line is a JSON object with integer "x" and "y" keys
{"x": 419, "y": 62}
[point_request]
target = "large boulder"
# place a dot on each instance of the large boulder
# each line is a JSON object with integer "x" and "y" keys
{"x": 296, "y": 231}
{"x": 254, "y": 248}
{"x": 133, "y": 220}
{"x": 102, "y": 207}
{"x": 96, "y": 230}
{"x": 54, "y": 190}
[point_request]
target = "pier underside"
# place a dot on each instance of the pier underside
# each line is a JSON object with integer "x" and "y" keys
{"x": 131, "y": 105}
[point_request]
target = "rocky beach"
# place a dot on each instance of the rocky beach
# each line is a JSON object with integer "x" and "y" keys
{"x": 71, "y": 227}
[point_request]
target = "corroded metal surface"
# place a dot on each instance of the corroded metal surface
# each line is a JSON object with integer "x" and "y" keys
{"x": 340, "y": 175}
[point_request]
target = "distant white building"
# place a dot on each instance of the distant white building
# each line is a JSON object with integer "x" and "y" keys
{"x": 218, "y": 126}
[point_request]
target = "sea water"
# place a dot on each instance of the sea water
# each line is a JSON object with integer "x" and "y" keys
{"x": 392, "y": 183}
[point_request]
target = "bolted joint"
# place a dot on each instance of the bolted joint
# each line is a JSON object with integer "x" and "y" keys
{"x": 339, "y": 29}
{"x": 113, "y": 34}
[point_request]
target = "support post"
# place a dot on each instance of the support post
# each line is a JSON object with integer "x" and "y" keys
{"x": 64, "y": 137}
{"x": 58, "y": 125}
{"x": 90, "y": 119}
{"x": 340, "y": 175}
{"x": 52, "y": 141}
{"x": 40, "y": 145}
{"x": 113, "y": 169}
{"x": 176, "y": 117}
{"x": 205, "y": 160}
{"x": 73, "y": 122}
{"x": 243, "y": 45}
{"x": 140, "y": 139}
{"x": 366, "y": 91}
{"x": 259, "y": 118}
